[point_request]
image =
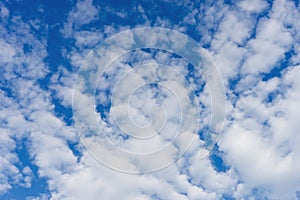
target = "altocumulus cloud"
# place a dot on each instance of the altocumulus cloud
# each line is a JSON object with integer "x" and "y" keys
{"x": 255, "y": 46}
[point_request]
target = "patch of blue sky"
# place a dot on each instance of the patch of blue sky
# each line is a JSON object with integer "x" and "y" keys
{"x": 217, "y": 160}
{"x": 155, "y": 197}
{"x": 55, "y": 45}
{"x": 280, "y": 67}
{"x": 259, "y": 193}
{"x": 227, "y": 197}
{"x": 48, "y": 12}
{"x": 5, "y": 88}
{"x": 298, "y": 195}
{"x": 76, "y": 149}
{"x": 63, "y": 112}
{"x": 103, "y": 106}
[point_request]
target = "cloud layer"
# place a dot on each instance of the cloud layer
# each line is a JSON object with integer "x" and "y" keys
{"x": 255, "y": 46}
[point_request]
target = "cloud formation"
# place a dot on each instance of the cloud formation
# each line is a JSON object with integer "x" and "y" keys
{"x": 255, "y": 46}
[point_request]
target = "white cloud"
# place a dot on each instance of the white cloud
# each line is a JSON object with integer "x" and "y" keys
{"x": 4, "y": 12}
{"x": 265, "y": 154}
{"x": 87, "y": 38}
{"x": 245, "y": 140}
{"x": 84, "y": 12}
{"x": 22, "y": 64}
{"x": 40, "y": 197}
{"x": 7, "y": 52}
{"x": 13, "y": 127}
{"x": 253, "y": 6}
{"x": 260, "y": 140}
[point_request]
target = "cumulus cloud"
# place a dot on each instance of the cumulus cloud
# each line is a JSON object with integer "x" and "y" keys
{"x": 248, "y": 41}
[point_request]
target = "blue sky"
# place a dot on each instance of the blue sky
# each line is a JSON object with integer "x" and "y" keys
{"x": 47, "y": 53}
